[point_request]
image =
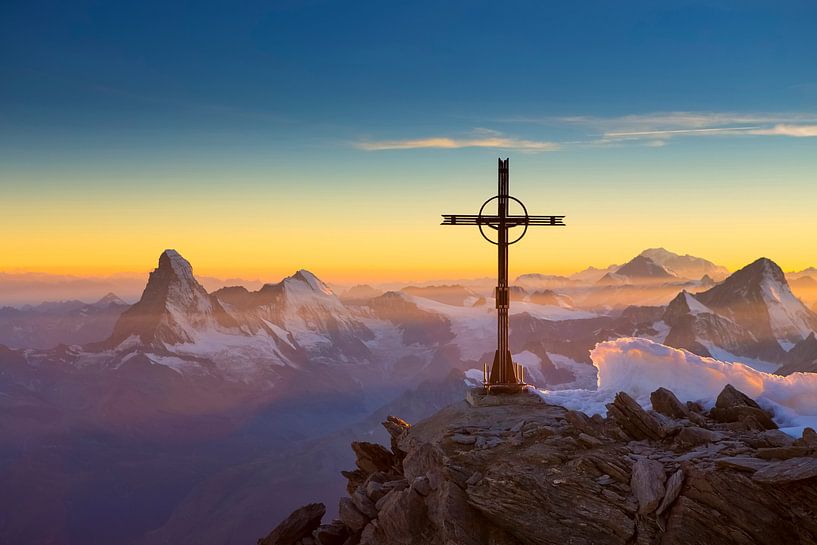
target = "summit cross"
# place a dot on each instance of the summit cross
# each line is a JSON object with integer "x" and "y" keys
{"x": 505, "y": 376}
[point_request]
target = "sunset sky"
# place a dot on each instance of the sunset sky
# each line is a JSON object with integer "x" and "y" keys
{"x": 257, "y": 138}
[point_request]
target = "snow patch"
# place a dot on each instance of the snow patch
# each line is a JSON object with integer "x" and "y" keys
{"x": 695, "y": 306}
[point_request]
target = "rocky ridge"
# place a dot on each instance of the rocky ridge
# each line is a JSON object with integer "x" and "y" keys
{"x": 513, "y": 470}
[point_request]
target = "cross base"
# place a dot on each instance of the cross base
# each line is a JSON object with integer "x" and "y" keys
{"x": 506, "y": 377}
{"x": 513, "y": 388}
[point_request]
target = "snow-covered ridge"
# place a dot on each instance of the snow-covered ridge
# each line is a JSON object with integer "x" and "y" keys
{"x": 787, "y": 314}
{"x": 695, "y": 306}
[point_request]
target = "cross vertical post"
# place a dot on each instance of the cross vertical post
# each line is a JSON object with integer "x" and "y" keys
{"x": 503, "y": 376}
{"x": 502, "y": 369}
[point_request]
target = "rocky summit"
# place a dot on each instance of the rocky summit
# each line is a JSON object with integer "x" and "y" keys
{"x": 515, "y": 470}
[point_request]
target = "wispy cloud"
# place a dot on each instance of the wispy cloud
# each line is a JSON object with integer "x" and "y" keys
{"x": 651, "y": 129}
{"x": 479, "y": 138}
{"x": 670, "y": 132}
{"x": 666, "y": 125}
{"x": 783, "y": 129}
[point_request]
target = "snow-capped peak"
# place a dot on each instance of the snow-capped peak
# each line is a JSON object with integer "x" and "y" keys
{"x": 312, "y": 281}
{"x": 788, "y": 316}
{"x": 758, "y": 297}
{"x": 109, "y": 299}
{"x": 171, "y": 260}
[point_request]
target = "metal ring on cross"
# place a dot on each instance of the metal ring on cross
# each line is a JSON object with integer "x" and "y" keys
{"x": 479, "y": 223}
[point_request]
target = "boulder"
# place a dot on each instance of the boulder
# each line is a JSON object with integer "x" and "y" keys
{"x": 647, "y": 484}
{"x": 334, "y": 533}
{"x": 351, "y": 515}
{"x": 633, "y": 420}
{"x": 692, "y": 436}
{"x": 422, "y": 459}
{"x": 354, "y": 479}
{"x": 402, "y": 518}
{"x": 297, "y": 526}
{"x": 665, "y": 402}
{"x": 809, "y": 438}
{"x": 733, "y": 405}
{"x": 674, "y": 484}
{"x": 372, "y": 457}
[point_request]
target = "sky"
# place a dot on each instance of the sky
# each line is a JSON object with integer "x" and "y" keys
{"x": 258, "y": 138}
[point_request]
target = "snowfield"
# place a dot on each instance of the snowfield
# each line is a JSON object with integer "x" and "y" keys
{"x": 640, "y": 366}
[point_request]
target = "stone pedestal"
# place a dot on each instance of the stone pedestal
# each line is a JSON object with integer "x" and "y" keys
{"x": 478, "y": 397}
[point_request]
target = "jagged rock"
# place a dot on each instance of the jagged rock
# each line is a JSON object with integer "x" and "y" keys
{"x": 741, "y": 463}
{"x": 588, "y": 440}
{"x": 732, "y": 397}
{"x": 402, "y": 518}
{"x": 363, "y": 503}
{"x": 372, "y": 457}
{"x": 693, "y": 436}
{"x": 733, "y": 405}
{"x": 773, "y": 438}
{"x": 351, "y": 515}
{"x": 453, "y": 520}
{"x": 396, "y": 427}
{"x": 633, "y": 420}
{"x": 582, "y": 422}
{"x": 809, "y": 438}
{"x": 420, "y": 460}
{"x": 647, "y": 484}
{"x": 665, "y": 402}
{"x": 298, "y": 525}
{"x": 782, "y": 453}
{"x": 550, "y": 488}
{"x": 334, "y": 533}
{"x": 674, "y": 484}
{"x": 375, "y": 490}
{"x": 793, "y": 469}
{"x": 370, "y": 534}
{"x": 354, "y": 479}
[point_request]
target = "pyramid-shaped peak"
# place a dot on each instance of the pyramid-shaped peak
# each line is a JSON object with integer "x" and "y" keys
{"x": 172, "y": 261}
{"x": 311, "y": 280}
{"x": 765, "y": 268}
{"x": 108, "y": 299}
{"x": 642, "y": 266}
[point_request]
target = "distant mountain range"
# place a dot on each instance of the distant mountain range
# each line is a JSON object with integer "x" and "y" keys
{"x": 189, "y": 396}
{"x": 68, "y": 322}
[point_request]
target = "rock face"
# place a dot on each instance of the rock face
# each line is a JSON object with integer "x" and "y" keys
{"x": 528, "y": 473}
{"x": 297, "y": 526}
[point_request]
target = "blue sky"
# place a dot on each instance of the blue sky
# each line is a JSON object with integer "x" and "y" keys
{"x": 376, "y": 102}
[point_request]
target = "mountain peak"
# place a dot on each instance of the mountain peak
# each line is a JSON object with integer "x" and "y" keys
{"x": 109, "y": 299}
{"x": 643, "y": 267}
{"x": 685, "y": 266}
{"x": 759, "y": 298}
{"x": 759, "y": 271}
{"x": 173, "y": 306}
{"x": 315, "y": 283}
{"x": 172, "y": 261}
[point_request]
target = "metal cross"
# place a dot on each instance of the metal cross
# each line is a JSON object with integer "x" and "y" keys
{"x": 505, "y": 376}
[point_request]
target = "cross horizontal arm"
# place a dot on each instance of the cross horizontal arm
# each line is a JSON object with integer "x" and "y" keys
{"x": 510, "y": 221}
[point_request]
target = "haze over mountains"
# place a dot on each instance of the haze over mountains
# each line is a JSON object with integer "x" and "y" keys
{"x": 154, "y": 412}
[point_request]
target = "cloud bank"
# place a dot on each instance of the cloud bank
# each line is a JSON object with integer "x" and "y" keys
{"x": 639, "y": 366}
